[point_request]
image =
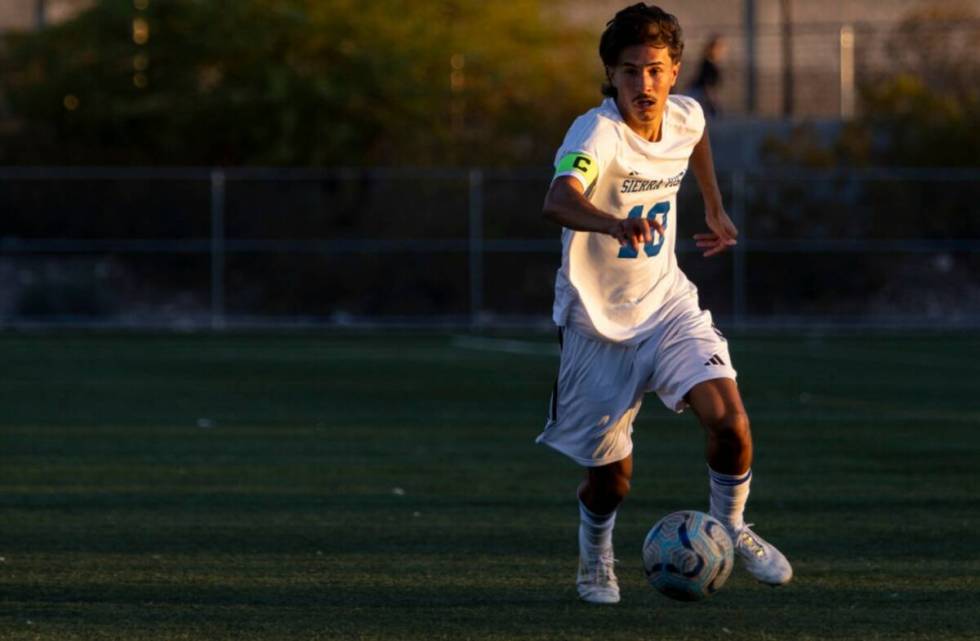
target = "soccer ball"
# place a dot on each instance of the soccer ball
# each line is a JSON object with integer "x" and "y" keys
{"x": 688, "y": 555}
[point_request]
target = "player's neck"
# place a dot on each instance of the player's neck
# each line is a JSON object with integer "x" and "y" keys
{"x": 650, "y": 130}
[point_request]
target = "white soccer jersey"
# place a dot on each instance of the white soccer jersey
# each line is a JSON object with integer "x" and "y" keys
{"x": 603, "y": 289}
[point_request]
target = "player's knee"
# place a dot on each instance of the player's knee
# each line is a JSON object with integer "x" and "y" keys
{"x": 731, "y": 427}
{"x": 618, "y": 487}
{"x": 611, "y": 493}
{"x": 738, "y": 424}
{"x": 607, "y": 489}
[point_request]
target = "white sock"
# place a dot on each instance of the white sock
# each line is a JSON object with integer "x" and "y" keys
{"x": 728, "y": 496}
{"x": 595, "y": 530}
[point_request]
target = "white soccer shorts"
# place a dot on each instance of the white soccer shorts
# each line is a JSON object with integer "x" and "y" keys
{"x": 601, "y": 384}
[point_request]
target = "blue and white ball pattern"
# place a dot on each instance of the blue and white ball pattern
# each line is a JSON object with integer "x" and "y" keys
{"x": 688, "y": 555}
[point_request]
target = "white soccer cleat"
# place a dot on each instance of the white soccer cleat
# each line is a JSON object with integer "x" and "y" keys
{"x": 596, "y": 579}
{"x": 762, "y": 559}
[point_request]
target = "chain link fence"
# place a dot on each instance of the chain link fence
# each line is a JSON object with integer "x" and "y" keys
{"x": 220, "y": 248}
{"x": 815, "y": 70}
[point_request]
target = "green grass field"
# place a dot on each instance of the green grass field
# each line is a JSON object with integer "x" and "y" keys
{"x": 386, "y": 486}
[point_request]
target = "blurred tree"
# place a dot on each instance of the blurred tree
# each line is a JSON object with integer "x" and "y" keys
{"x": 298, "y": 82}
{"x": 922, "y": 112}
{"x": 925, "y": 113}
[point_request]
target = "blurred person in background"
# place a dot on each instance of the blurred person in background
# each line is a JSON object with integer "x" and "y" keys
{"x": 705, "y": 86}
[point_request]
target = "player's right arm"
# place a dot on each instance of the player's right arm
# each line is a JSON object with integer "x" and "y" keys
{"x": 567, "y": 205}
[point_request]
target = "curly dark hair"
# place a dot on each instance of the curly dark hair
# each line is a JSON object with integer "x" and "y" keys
{"x": 639, "y": 24}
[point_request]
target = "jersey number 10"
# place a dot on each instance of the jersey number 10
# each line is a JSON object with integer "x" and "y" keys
{"x": 653, "y": 248}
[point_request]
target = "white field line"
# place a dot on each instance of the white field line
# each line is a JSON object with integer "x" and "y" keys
{"x": 854, "y": 355}
{"x": 871, "y": 418}
{"x": 844, "y": 408}
{"x": 505, "y": 346}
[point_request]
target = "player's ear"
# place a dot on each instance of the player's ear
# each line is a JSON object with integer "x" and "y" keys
{"x": 675, "y": 71}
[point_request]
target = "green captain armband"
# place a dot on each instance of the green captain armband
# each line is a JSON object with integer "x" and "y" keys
{"x": 580, "y": 163}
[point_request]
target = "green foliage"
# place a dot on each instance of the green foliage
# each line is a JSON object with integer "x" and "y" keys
{"x": 299, "y": 82}
{"x": 922, "y": 126}
{"x": 801, "y": 146}
{"x": 923, "y": 112}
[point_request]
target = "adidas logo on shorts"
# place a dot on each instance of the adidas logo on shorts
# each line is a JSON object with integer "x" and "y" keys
{"x": 714, "y": 360}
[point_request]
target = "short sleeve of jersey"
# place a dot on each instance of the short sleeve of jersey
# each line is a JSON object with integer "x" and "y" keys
{"x": 688, "y": 116}
{"x": 589, "y": 146}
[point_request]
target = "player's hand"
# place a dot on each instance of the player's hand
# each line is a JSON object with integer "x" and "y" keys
{"x": 635, "y": 232}
{"x": 722, "y": 236}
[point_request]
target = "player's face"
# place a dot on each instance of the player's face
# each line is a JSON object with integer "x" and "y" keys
{"x": 643, "y": 78}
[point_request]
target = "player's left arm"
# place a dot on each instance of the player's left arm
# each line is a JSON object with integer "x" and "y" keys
{"x": 723, "y": 231}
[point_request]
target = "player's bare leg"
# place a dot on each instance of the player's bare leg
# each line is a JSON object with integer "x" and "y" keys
{"x": 603, "y": 489}
{"x": 718, "y": 406}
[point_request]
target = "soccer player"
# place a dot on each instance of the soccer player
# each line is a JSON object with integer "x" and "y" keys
{"x": 629, "y": 320}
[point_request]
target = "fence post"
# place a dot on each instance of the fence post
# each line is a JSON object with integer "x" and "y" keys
{"x": 751, "y": 80}
{"x": 217, "y": 249}
{"x": 847, "y": 92}
{"x": 738, "y": 255}
{"x": 476, "y": 244}
{"x": 40, "y": 14}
